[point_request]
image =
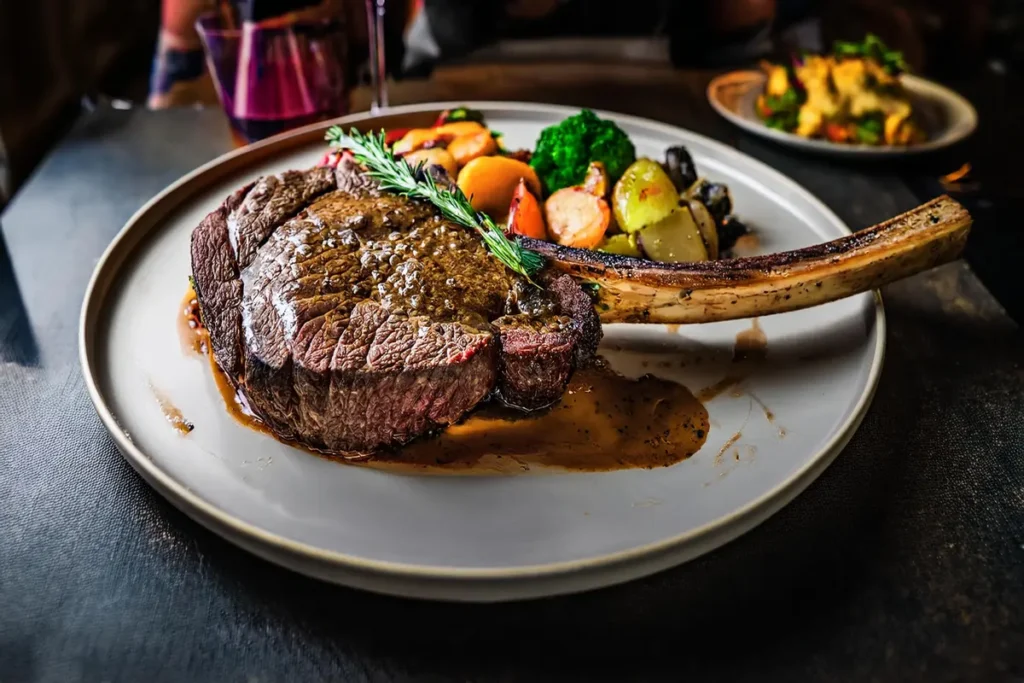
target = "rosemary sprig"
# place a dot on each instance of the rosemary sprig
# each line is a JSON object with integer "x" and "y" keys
{"x": 396, "y": 176}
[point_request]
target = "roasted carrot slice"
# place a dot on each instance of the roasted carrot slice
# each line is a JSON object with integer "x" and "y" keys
{"x": 524, "y": 215}
{"x": 465, "y": 148}
{"x": 837, "y": 132}
{"x": 577, "y": 218}
{"x": 490, "y": 182}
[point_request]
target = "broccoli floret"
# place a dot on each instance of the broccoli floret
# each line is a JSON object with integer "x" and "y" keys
{"x": 564, "y": 150}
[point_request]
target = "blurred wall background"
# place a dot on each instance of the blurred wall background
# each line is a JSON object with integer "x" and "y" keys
{"x": 52, "y": 54}
{"x": 56, "y": 55}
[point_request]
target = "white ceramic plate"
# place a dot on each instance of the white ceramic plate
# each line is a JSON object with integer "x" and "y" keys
{"x": 486, "y": 537}
{"x": 947, "y": 117}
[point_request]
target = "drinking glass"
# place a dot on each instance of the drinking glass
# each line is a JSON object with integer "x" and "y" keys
{"x": 378, "y": 72}
{"x": 274, "y": 78}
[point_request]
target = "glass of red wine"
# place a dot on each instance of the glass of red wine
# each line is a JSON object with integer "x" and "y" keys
{"x": 378, "y": 72}
{"x": 271, "y": 78}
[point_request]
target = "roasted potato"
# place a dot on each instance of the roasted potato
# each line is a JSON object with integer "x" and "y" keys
{"x": 465, "y": 148}
{"x": 643, "y": 196}
{"x": 622, "y": 244}
{"x": 576, "y": 218}
{"x": 419, "y": 138}
{"x": 435, "y": 156}
{"x": 674, "y": 239}
{"x": 596, "y": 180}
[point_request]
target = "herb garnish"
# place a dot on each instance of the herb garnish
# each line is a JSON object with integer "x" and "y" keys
{"x": 870, "y": 128}
{"x": 783, "y": 112}
{"x": 873, "y": 48}
{"x": 395, "y": 175}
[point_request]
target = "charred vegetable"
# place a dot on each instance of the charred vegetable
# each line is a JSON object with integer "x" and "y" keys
{"x": 674, "y": 239}
{"x": 716, "y": 197}
{"x": 729, "y": 231}
{"x": 643, "y": 196}
{"x": 680, "y": 168}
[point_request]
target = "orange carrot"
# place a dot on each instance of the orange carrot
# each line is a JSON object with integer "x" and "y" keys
{"x": 465, "y": 148}
{"x": 490, "y": 182}
{"x": 837, "y": 132}
{"x": 524, "y": 215}
{"x": 577, "y": 218}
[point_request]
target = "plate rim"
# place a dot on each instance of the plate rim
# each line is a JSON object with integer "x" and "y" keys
{"x": 428, "y": 581}
{"x": 945, "y": 94}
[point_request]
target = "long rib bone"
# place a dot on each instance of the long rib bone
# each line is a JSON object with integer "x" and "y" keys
{"x": 636, "y": 290}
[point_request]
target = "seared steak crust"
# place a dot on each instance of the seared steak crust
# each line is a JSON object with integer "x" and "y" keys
{"x": 354, "y": 320}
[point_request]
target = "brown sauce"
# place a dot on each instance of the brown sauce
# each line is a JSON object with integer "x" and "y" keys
{"x": 196, "y": 339}
{"x": 603, "y": 422}
{"x": 751, "y": 344}
{"x": 235, "y": 402}
{"x": 718, "y": 388}
{"x": 171, "y": 412}
{"x": 726, "y": 446}
{"x": 768, "y": 414}
{"x": 190, "y": 327}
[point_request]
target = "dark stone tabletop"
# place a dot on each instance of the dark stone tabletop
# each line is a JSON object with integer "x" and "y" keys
{"x": 904, "y": 561}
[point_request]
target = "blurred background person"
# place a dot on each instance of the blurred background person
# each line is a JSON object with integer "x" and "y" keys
{"x": 179, "y": 74}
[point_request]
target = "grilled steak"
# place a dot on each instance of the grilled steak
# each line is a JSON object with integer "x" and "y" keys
{"x": 353, "y": 319}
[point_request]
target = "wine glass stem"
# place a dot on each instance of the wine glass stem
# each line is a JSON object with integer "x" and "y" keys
{"x": 378, "y": 73}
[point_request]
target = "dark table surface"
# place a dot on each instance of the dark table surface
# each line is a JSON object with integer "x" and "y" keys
{"x": 904, "y": 561}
